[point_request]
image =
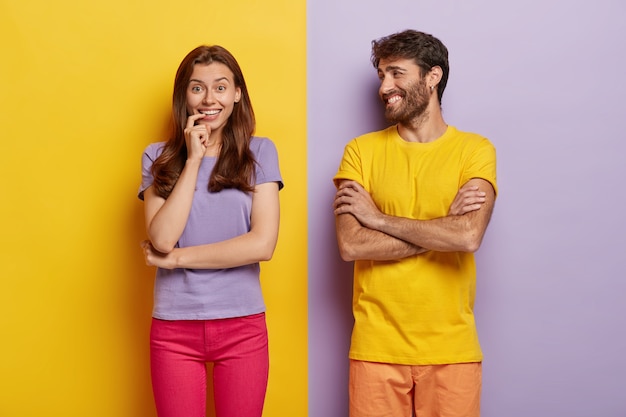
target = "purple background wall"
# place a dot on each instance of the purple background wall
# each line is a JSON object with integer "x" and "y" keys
{"x": 544, "y": 80}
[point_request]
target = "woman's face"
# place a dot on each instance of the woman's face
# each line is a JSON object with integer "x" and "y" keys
{"x": 212, "y": 92}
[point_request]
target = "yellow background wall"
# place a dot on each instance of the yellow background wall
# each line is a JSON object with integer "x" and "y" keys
{"x": 84, "y": 87}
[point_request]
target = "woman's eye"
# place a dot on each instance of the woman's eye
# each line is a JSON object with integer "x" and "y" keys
{"x": 221, "y": 88}
{"x": 196, "y": 89}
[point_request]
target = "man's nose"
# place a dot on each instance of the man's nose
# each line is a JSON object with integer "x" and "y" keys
{"x": 386, "y": 85}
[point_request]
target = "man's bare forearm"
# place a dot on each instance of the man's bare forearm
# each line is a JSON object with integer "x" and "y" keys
{"x": 462, "y": 233}
{"x": 445, "y": 234}
{"x": 360, "y": 243}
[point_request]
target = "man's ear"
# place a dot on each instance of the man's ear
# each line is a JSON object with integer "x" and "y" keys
{"x": 434, "y": 76}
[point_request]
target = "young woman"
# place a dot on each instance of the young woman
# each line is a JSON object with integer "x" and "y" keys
{"x": 212, "y": 214}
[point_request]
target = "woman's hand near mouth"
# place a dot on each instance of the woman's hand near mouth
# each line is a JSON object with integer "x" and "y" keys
{"x": 196, "y": 137}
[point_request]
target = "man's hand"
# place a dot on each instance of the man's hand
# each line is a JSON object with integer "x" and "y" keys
{"x": 352, "y": 198}
{"x": 469, "y": 198}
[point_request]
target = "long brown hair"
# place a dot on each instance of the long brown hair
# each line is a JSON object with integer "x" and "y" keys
{"x": 235, "y": 163}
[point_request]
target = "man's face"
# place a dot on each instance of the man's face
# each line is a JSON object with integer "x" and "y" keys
{"x": 402, "y": 89}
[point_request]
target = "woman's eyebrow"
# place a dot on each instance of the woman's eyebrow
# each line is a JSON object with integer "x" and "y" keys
{"x": 216, "y": 80}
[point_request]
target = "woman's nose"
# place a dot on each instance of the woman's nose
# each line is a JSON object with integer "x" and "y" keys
{"x": 208, "y": 97}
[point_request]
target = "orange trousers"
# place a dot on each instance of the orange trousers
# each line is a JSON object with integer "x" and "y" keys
{"x": 390, "y": 390}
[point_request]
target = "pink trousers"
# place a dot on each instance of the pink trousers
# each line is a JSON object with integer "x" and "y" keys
{"x": 238, "y": 349}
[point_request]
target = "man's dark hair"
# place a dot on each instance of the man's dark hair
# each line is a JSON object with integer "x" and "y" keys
{"x": 426, "y": 50}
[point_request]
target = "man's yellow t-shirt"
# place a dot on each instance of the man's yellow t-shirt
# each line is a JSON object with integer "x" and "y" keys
{"x": 417, "y": 310}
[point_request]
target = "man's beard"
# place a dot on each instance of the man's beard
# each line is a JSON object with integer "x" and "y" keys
{"x": 414, "y": 104}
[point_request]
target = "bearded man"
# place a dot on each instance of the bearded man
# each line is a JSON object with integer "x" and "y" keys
{"x": 412, "y": 206}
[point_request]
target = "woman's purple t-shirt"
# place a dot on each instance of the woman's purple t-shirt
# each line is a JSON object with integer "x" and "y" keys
{"x": 204, "y": 294}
